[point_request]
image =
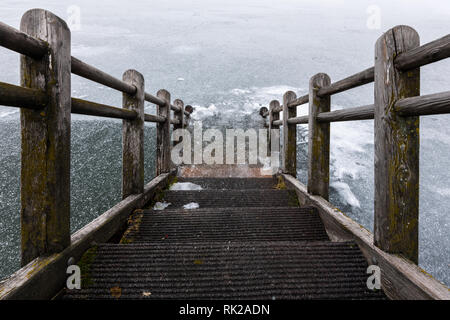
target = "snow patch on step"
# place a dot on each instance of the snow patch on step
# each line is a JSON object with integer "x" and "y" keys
{"x": 185, "y": 186}
{"x": 191, "y": 205}
{"x": 161, "y": 205}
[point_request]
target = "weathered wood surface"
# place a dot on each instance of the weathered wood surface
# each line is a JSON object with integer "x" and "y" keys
{"x": 20, "y": 97}
{"x": 299, "y": 101}
{"x": 289, "y": 164}
{"x": 350, "y": 114}
{"x": 43, "y": 277}
{"x": 356, "y": 80}
{"x": 163, "y": 134}
{"x": 153, "y": 118}
{"x": 90, "y": 108}
{"x": 438, "y": 103}
{"x": 298, "y": 120}
{"x": 401, "y": 279}
{"x": 84, "y": 70}
{"x": 423, "y": 55}
{"x": 133, "y": 137}
{"x": 21, "y": 42}
{"x": 318, "y": 139}
{"x": 153, "y": 99}
{"x": 278, "y": 123}
{"x": 179, "y": 115}
{"x": 274, "y": 116}
{"x": 396, "y": 148}
{"x": 45, "y": 157}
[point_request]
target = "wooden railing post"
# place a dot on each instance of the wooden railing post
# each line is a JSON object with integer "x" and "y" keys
{"x": 289, "y": 165}
{"x": 274, "y": 133}
{"x": 133, "y": 137}
{"x": 274, "y": 115}
{"x": 318, "y": 139}
{"x": 45, "y": 157}
{"x": 163, "y": 134}
{"x": 179, "y": 114}
{"x": 396, "y": 148}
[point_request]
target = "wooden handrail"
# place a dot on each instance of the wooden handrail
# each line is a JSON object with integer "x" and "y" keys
{"x": 428, "y": 53}
{"x": 89, "y": 72}
{"x": 20, "y": 97}
{"x": 21, "y": 42}
{"x": 90, "y": 108}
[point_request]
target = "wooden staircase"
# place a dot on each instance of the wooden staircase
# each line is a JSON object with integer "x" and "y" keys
{"x": 247, "y": 240}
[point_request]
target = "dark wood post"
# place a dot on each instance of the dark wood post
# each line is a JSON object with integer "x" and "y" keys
{"x": 45, "y": 158}
{"x": 179, "y": 114}
{"x": 133, "y": 137}
{"x": 289, "y": 136}
{"x": 274, "y": 115}
{"x": 274, "y": 133}
{"x": 318, "y": 139}
{"x": 163, "y": 134}
{"x": 396, "y": 148}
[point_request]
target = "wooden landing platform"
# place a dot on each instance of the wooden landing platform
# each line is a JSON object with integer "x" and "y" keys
{"x": 249, "y": 239}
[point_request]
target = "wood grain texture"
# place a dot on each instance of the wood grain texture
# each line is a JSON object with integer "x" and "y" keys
{"x": 273, "y": 117}
{"x": 20, "y": 97}
{"x": 21, "y": 42}
{"x": 299, "y": 101}
{"x": 318, "y": 139}
{"x": 153, "y": 99}
{"x": 350, "y": 114}
{"x": 44, "y": 277}
{"x": 400, "y": 278}
{"x": 428, "y": 53}
{"x": 163, "y": 134}
{"x": 133, "y": 136}
{"x": 45, "y": 157}
{"x": 289, "y": 162}
{"x": 396, "y": 148}
{"x": 353, "y": 81}
{"x": 438, "y": 103}
{"x": 90, "y": 108}
{"x": 87, "y": 71}
{"x": 299, "y": 120}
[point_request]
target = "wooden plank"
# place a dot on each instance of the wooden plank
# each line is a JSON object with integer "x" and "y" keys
{"x": 356, "y": 80}
{"x": 20, "y": 97}
{"x": 163, "y": 134}
{"x": 90, "y": 108}
{"x": 298, "y": 120}
{"x": 396, "y": 148}
{"x": 43, "y": 277}
{"x": 289, "y": 164}
{"x": 21, "y": 42}
{"x": 274, "y": 116}
{"x": 400, "y": 278}
{"x": 153, "y": 99}
{"x": 133, "y": 137}
{"x": 438, "y": 103}
{"x": 86, "y": 71}
{"x": 45, "y": 157}
{"x": 431, "y": 52}
{"x": 350, "y": 114}
{"x": 318, "y": 138}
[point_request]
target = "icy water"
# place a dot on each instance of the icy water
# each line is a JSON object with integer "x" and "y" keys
{"x": 228, "y": 58}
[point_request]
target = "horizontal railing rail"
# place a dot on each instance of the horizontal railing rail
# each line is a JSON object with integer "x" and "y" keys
{"x": 396, "y": 109}
{"x": 46, "y": 105}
